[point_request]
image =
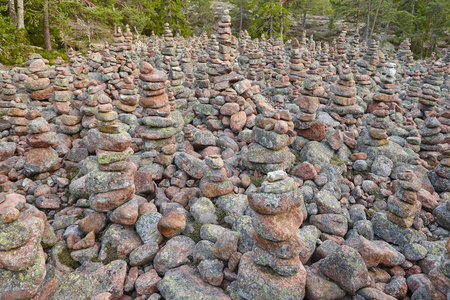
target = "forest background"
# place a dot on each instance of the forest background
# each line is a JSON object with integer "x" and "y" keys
{"x": 50, "y": 27}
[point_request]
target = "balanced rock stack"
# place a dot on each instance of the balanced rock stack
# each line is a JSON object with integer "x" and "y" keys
{"x": 341, "y": 46}
{"x": 343, "y": 97}
{"x": 404, "y": 53}
{"x": 22, "y": 259}
{"x": 42, "y": 158}
{"x": 128, "y": 93}
{"x": 169, "y": 50}
{"x": 305, "y": 122}
{"x": 431, "y": 88}
{"x": 16, "y": 109}
{"x": 385, "y": 93}
{"x": 414, "y": 86}
{"x": 441, "y": 175}
{"x": 176, "y": 77}
{"x": 431, "y": 136}
{"x": 112, "y": 185}
{"x": 377, "y": 133}
{"x": 353, "y": 52}
{"x": 224, "y": 37}
{"x": 38, "y": 82}
{"x": 272, "y": 135}
{"x": 159, "y": 125}
{"x": 118, "y": 45}
{"x": 128, "y": 36}
{"x": 214, "y": 62}
{"x": 201, "y": 77}
{"x": 403, "y": 206}
{"x": 61, "y": 90}
{"x": 90, "y": 103}
{"x": 273, "y": 270}
{"x": 215, "y": 181}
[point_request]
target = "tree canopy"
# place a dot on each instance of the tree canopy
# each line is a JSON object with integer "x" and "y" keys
{"x": 51, "y": 26}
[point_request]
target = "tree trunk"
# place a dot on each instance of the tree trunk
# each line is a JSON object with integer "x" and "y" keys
{"x": 387, "y": 27}
{"x": 375, "y": 19}
{"x": 271, "y": 27}
{"x": 385, "y": 32}
{"x": 359, "y": 12}
{"x": 46, "y": 28}
{"x": 240, "y": 21}
{"x": 20, "y": 15}
{"x": 12, "y": 12}
{"x": 304, "y": 21}
{"x": 281, "y": 21}
{"x": 366, "y": 37}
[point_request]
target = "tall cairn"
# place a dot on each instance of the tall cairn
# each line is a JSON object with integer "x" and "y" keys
{"x": 385, "y": 93}
{"x": 15, "y": 108}
{"x": 295, "y": 61}
{"x": 273, "y": 270}
{"x": 159, "y": 123}
{"x": 111, "y": 187}
{"x": 377, "y": 133}
{"x": 128, "y": 93}
{"x": 42, "y": 158}
{"x": 343, "y": 96}
{"x": 403, "y": 206}
{"x": 201, "y": 77}
{"x": 272, "y": 135}
{"x": 61, "y": 91}
{"x": 38, "y": 82}
{"x": 306, "y": 123}
{"x": 431, "y": 89}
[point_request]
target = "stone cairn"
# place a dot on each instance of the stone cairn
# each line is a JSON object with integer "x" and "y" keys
{"x": 38, "y": 82}
{"x": 176, "y": 77}
{"x": 441, "y": 175}
{"x": 377, "y": 133}
{"x": 403, "y": 206}
{"x": 90, "y": 103}
{"x": 341, "y": 46}
{"x": 272, "y": 135}
{"x": 343, "y": 96}
{"x": 430, "y": 93}
{"x": 15, "y": 108}
{"x": 431, "y": 137}
{"x": 169, "y": 50}
{"x": 353, "y": 52}
{"x": 61, "y": 91}
{"x": 42, "y": 158}
{"x": 128, "y": 36}
{"x": 111, "y": 187}
{"x": 213, "y": 61}
{"x": 224, "y": 39}
{"x": 414, "y": 86}
{"x": 404, "y": 53}
{"x": 305, "y": 122}
{"x": 295, "y": 64}
{"x": 128, "y": 93}
{"x": 159, "y": 125}
{"x": 118, "y": 46}
{"x": 273, "y": 268}
{"x": 385, "y": 93}
{"x": 22, "y": 259}
{"x": 201, "y": 77}
{"x": 215, "y": 181}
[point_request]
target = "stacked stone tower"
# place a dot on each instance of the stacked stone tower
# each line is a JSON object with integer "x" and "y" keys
{"x": 273, "y": 269}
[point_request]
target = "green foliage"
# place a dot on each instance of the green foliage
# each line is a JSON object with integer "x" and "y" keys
{"x": 270, "y": 19}
{"x": 424, "y": 22}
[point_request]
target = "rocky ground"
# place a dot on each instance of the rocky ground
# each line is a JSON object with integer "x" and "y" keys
{"x": 226, "y": 168}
